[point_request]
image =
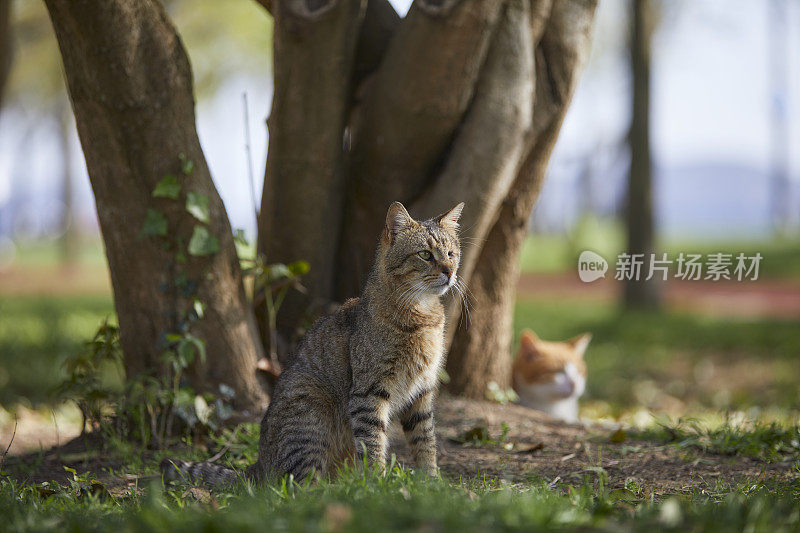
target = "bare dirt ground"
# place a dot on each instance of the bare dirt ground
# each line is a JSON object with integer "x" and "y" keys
{"x": 544, "y": 448}
{"x": 55, "y": 281}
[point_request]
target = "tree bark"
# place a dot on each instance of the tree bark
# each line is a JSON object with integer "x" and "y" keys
{"x": 479, "y": 353}
{"x": 5, "y": 45}
{"x": 410, "y": 112}
{"x": 640, "y": 292}
{"x": 305, "y": 182}
{"x": 130, "y": 84}
{"x": 490, "y": 144}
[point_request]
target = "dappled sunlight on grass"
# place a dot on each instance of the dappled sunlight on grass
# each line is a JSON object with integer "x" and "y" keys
{"x": 37, "y": 335}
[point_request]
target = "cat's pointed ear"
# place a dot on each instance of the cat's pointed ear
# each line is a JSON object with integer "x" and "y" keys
{"x": 528, "y": 342}
{"x": 450, "y": 219}
{"x": 397, "y": 218}
{"x": 580, "y": 343}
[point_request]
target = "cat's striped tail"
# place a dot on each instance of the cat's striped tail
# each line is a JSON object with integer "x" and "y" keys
{"x": 202, "y": 472}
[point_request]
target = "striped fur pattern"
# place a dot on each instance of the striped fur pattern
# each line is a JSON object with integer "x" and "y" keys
{"x": 375, "y": 359}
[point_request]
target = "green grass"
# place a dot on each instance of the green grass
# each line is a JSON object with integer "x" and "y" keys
{"x": 36, "y": 335}
{"x": 559, "y": 253}
{"x": 48, "y": 253}
{"x": 361, "y": 500}
{"x": 771, "y": 442}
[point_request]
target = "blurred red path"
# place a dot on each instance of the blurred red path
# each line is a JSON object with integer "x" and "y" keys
{"x": 747, "y": 299}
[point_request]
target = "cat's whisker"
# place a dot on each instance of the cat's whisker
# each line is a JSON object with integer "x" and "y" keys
{"x": 464, "y": 294}
{"x": 466, "y": 313}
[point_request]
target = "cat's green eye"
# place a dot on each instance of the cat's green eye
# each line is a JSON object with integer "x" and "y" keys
{"x": 425, "y": 254}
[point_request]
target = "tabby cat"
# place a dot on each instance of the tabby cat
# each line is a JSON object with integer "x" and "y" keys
{"x": 375, "y": 359}
{"x": 551, "y": 376}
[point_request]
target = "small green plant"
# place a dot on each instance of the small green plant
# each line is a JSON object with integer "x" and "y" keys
{"x": 496, "y": 393}
{"x": 479, "y": 437}
{"x": 85, "y": 384}
{"x": 271, "y": 284}
{"x": 157, "y": 406}
{"x": 144, "y": 408}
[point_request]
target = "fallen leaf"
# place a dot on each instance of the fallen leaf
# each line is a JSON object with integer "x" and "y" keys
{"x": 619, "y": 436}
{"x": 568, "y": 457}
{"x": 528, "y": 447}
{"x": 96, "y": 489}
{"x": 44, "y": 491}
{"x": 479, "y": 433}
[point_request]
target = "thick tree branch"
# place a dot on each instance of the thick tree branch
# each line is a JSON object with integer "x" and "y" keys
{"x": 130, "y": 84}
{"x": 486, "y": 154}
{"x": 380, "y": 24}
{"x": 414, "y": 105}
{"x": 559, "y": 57}
{"x": 305, "y": 181}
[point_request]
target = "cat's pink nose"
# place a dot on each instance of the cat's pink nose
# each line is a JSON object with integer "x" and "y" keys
{"x": 447, "y": 271}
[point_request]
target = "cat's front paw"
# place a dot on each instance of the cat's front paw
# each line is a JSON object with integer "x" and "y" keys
{"x": 429, "y": 468}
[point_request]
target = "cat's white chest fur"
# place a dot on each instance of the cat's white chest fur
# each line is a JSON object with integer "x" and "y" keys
{"x": 410, "y": 379}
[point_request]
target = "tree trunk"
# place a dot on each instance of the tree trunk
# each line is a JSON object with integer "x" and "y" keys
{"x": 639, "y": 213}
{"x": 5, "y": 45}
{"x": 318, "y": 67}
{"x": 130, "y": 84}
{"x": 479, "y": 353}
{"x": 305, "y": 182}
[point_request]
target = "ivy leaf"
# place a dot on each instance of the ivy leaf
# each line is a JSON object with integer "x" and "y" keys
{"x": 186, "y": 164}
{"x": 186, "y": 353}
{"x": 168, "y": 187}
{"x": 202, "y": 242}
{"x": 155, "y": 223}
{"x": 197, "y": 206}
{"x": 299, "y": 268}
{"x": 199, "y": 308}
{"x": 202, "y": 409}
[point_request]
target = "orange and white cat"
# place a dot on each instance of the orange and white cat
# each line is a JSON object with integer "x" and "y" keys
{"x": 551, "y": 376}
